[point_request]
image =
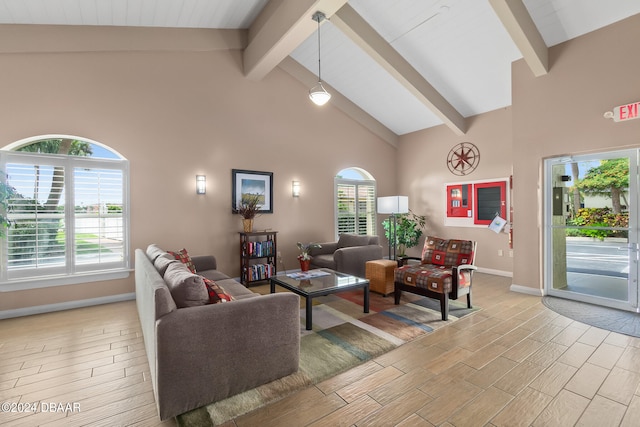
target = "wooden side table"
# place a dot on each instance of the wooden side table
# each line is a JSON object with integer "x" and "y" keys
{"x": 380, "y": 275}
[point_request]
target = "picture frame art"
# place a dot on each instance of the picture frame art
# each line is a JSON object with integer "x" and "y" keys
{"x": 252, "y": 182}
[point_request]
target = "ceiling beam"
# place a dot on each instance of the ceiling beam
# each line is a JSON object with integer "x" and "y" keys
{"x": 363, "y": 35}
{"x": 279, "y": 29}
{"x": 525, "y": 34}
{"x": 308, "y": 79}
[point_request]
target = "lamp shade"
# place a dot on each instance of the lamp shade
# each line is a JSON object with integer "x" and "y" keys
{"x": 393, "y": 205}
{"x": 201, "y": 184}
{"x": 319, "y": 94}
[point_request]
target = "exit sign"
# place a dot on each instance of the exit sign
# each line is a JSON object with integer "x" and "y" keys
{"x": 626, "y": 112}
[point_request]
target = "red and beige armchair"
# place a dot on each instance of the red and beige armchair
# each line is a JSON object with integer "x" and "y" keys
{"x": 445, "y": 272}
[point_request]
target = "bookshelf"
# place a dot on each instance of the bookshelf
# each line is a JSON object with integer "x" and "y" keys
{"x": 258, "y": 252}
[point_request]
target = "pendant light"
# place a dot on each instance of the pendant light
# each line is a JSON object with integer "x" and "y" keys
{"x": 318, "y": 93}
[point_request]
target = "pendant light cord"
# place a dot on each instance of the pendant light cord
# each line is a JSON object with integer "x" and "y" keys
{"x": 319, "y": 16}
{"x": 319, "y": 55}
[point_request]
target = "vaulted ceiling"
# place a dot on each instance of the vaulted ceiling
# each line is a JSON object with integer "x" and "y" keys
{"x": 397, "y": 66}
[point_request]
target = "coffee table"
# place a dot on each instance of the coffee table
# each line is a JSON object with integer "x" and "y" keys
{"x": 330, "y": 282}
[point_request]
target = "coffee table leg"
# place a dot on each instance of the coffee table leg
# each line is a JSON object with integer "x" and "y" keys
{"x": 309, "y": 308}
{"x": 273, "y": 286}
{"x": 366, "y": 299}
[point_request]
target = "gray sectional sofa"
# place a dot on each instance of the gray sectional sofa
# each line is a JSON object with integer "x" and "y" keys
{"x": 207, "y": 352}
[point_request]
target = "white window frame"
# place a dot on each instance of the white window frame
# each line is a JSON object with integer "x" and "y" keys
{"x": 70, "y": 273}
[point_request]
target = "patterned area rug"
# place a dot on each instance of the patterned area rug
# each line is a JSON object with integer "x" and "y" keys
{"x": 610, "y": 319}
{"x": 342, "y": 337}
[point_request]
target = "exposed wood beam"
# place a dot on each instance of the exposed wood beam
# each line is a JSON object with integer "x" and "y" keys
{"x": 525, "y": 35}
{"x": 361, "y": 33}
{"x": 279, "y": 29}
{"x": 308, "y": 79}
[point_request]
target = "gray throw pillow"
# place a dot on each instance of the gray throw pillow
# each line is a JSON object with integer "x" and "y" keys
{"x": 162, "y": 262}
{"x": 187, "y": 289}
{"x": 154, "y": 251}
{"x": 348, "y": 239}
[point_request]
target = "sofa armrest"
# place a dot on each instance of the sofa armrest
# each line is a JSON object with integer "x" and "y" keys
{"x": 210, "y": 352}
{"x": 352, "y": 259}
{"x": 326, "y": 249}
{"x": 204, "y": 262}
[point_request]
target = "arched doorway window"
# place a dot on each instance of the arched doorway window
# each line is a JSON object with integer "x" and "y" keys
{"x": 355, "y": 198}
{"x": 67, "y": 211}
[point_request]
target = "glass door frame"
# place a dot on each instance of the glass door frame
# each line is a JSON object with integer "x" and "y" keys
{"x": 633, "y": 302}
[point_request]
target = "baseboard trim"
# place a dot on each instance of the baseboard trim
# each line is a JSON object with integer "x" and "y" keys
{"x": 495, "y": 272}
{"x": 48, "y": 308}
{"x": 526, "y": 290}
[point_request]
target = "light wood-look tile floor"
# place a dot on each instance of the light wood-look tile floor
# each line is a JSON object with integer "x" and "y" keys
{"x": 513, "y": 363}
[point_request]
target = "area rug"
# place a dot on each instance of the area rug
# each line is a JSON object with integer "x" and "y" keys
{"x": 610, "y": 319}
{"x": 342, "y": 338}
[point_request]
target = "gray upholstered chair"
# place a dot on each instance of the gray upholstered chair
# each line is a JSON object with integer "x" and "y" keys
{"x": 348, "y": 255}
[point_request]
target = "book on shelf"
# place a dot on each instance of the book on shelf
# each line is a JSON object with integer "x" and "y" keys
{"x": 259, "y": 249}
{"x": 259, "y": 272}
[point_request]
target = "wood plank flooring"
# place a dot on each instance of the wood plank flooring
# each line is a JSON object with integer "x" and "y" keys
{"x": 513, "y": 363}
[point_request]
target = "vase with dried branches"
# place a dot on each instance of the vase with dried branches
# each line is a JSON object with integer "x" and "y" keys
{"x": 248, "y": 209}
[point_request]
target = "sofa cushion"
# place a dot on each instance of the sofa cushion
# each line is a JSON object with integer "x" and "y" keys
{"x": 348, "y": 239}
{"x": 236, "y": 289}
{"x": 162, "y": 262}
{"x": 216, "y": 292}
{"x": 183, "y": 256}
{"x": 324, "y": 261}
{"x": 215, "y": 275}
{"x": 154, "y": 251}
{"x": 187, "y": 289}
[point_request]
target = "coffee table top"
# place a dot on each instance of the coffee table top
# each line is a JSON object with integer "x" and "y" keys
{"x": 319, "y": 282}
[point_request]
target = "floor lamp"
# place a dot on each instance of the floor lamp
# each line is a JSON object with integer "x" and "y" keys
{"x": 393, "y": 205}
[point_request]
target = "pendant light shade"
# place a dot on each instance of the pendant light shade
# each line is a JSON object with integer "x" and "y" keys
{"x": 318, "y": 94}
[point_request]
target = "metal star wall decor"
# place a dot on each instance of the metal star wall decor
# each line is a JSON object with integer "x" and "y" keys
{"x": 463, "y": 158}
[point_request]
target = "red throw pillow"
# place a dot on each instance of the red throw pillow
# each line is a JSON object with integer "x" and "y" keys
{"x": 183, "y": 256}
{"x": 216, "y": 293}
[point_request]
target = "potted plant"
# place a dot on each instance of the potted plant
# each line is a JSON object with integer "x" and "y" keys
{"x": 408, "y": 230}
{"x": 248, "y": 209}
{"x": 305, "y": 257}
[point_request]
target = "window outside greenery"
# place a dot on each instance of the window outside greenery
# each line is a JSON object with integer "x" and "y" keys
{"x": 66, "y": 209}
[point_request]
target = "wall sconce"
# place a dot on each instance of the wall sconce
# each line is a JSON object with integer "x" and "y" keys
{"x": 201, "y": 184}
{"x": 295, "y": 188}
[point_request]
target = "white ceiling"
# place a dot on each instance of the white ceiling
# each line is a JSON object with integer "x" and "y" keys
{"x": 460, "y": 47}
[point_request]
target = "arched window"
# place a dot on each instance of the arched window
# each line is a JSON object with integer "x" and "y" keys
{"x": 355, "y": 195}
{"x": 67, "y": 211}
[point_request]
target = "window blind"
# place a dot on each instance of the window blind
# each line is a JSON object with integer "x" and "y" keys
{"x": 68, "y": 215}
{"x": 356, "y": 207}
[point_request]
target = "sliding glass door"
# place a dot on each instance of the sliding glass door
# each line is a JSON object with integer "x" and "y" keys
{"x": 591, "y": 228}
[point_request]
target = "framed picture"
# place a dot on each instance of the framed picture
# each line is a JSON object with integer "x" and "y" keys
{"x": 246, "y": 183}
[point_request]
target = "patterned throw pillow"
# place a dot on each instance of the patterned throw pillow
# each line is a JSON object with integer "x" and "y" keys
{"x": 184, "y": 257}
{"x": 216, "y": 293}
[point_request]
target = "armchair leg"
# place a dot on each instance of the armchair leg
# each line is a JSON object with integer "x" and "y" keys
{"x": 397, "y": 293}
{"x": 469, "y": 299}
{"x": 444, "y": 305}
